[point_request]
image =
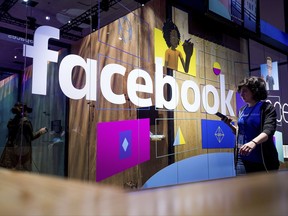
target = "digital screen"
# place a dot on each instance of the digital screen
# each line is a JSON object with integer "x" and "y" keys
{"x": 250, "y": 14}
{"x": 269, "y": 72}
{"x": 236, "y": 11}
{"x": 221, "y": 7}
{"x": 241, "y": 12}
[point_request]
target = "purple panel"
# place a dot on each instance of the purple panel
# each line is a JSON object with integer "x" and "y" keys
{"x": 121, "y": 145}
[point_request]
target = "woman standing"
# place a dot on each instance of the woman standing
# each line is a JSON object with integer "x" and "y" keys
{"x": 255, "y": 148}
{"x": 17, "y": 153}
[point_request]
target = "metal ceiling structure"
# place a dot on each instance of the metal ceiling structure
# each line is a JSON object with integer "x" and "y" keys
{"x": 74, "y": 18}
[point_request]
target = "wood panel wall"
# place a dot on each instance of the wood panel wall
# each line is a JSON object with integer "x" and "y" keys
{"x": 84, "y": 115}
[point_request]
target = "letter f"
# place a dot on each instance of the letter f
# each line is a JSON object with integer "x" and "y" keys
{"x": 41, "y": 55}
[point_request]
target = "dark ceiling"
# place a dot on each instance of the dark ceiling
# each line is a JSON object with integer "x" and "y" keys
{"x": 74, "y": 18}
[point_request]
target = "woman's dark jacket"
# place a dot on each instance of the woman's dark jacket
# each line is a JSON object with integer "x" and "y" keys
{"x": 268, "y": 126}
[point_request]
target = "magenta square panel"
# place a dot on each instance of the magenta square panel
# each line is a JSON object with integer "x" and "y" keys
{"x": 121, "y": 145}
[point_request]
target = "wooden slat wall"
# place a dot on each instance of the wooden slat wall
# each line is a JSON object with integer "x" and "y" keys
{"x": 84, "y": 117}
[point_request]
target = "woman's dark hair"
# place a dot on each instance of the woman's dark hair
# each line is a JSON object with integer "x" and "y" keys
{"x": 19, "y": 107}
{"x": 256, "y": 85}
{"x": 167, "y": 28}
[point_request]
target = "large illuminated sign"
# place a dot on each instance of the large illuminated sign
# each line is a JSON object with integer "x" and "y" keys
{"x": 41, "y": 55}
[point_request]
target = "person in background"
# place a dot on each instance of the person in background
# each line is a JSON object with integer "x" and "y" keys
{"x": 255, "y": 148}
{"x": 269, "y": 77}
{"x": 17, "y": 154}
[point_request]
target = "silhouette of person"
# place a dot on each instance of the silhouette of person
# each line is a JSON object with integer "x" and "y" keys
{"x": 17, "y": 153}
{"x": 171, "y": 35}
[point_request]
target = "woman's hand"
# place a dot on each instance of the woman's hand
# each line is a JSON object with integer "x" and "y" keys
{"x": 247, "y": 148}
{"x": 226, "y": 120}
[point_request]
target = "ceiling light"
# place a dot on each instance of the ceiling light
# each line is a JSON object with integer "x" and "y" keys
{"x": 30, "y": 3}
{"x": 142, "y": 2}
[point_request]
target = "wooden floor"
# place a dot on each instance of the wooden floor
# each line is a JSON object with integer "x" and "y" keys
{"x": 29, "y": 194}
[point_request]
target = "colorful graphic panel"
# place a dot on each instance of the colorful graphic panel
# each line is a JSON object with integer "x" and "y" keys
{"x": 121, "y": 145}
{"x": 216, "y": 134}
{"x": 186, "y": 132}
{"x": 161, "y": 47}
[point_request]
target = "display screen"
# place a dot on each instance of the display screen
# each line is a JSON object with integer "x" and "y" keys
{"x": 250, "y": 14}
{"x": 241, "y": 12}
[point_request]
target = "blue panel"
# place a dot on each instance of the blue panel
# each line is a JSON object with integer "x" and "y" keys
{"x": 216, "y": 134}
{"x": 194, "y": 169}
{"x": 273, "y": 32}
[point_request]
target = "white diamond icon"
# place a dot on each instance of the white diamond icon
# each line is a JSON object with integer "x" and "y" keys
{"x": 125, "y": 144}
{"x": 219, "y": 134}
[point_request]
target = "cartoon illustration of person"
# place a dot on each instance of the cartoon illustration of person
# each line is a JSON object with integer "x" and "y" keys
{"x": 171, "y": 35}
{"x": 269, "y": 77}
